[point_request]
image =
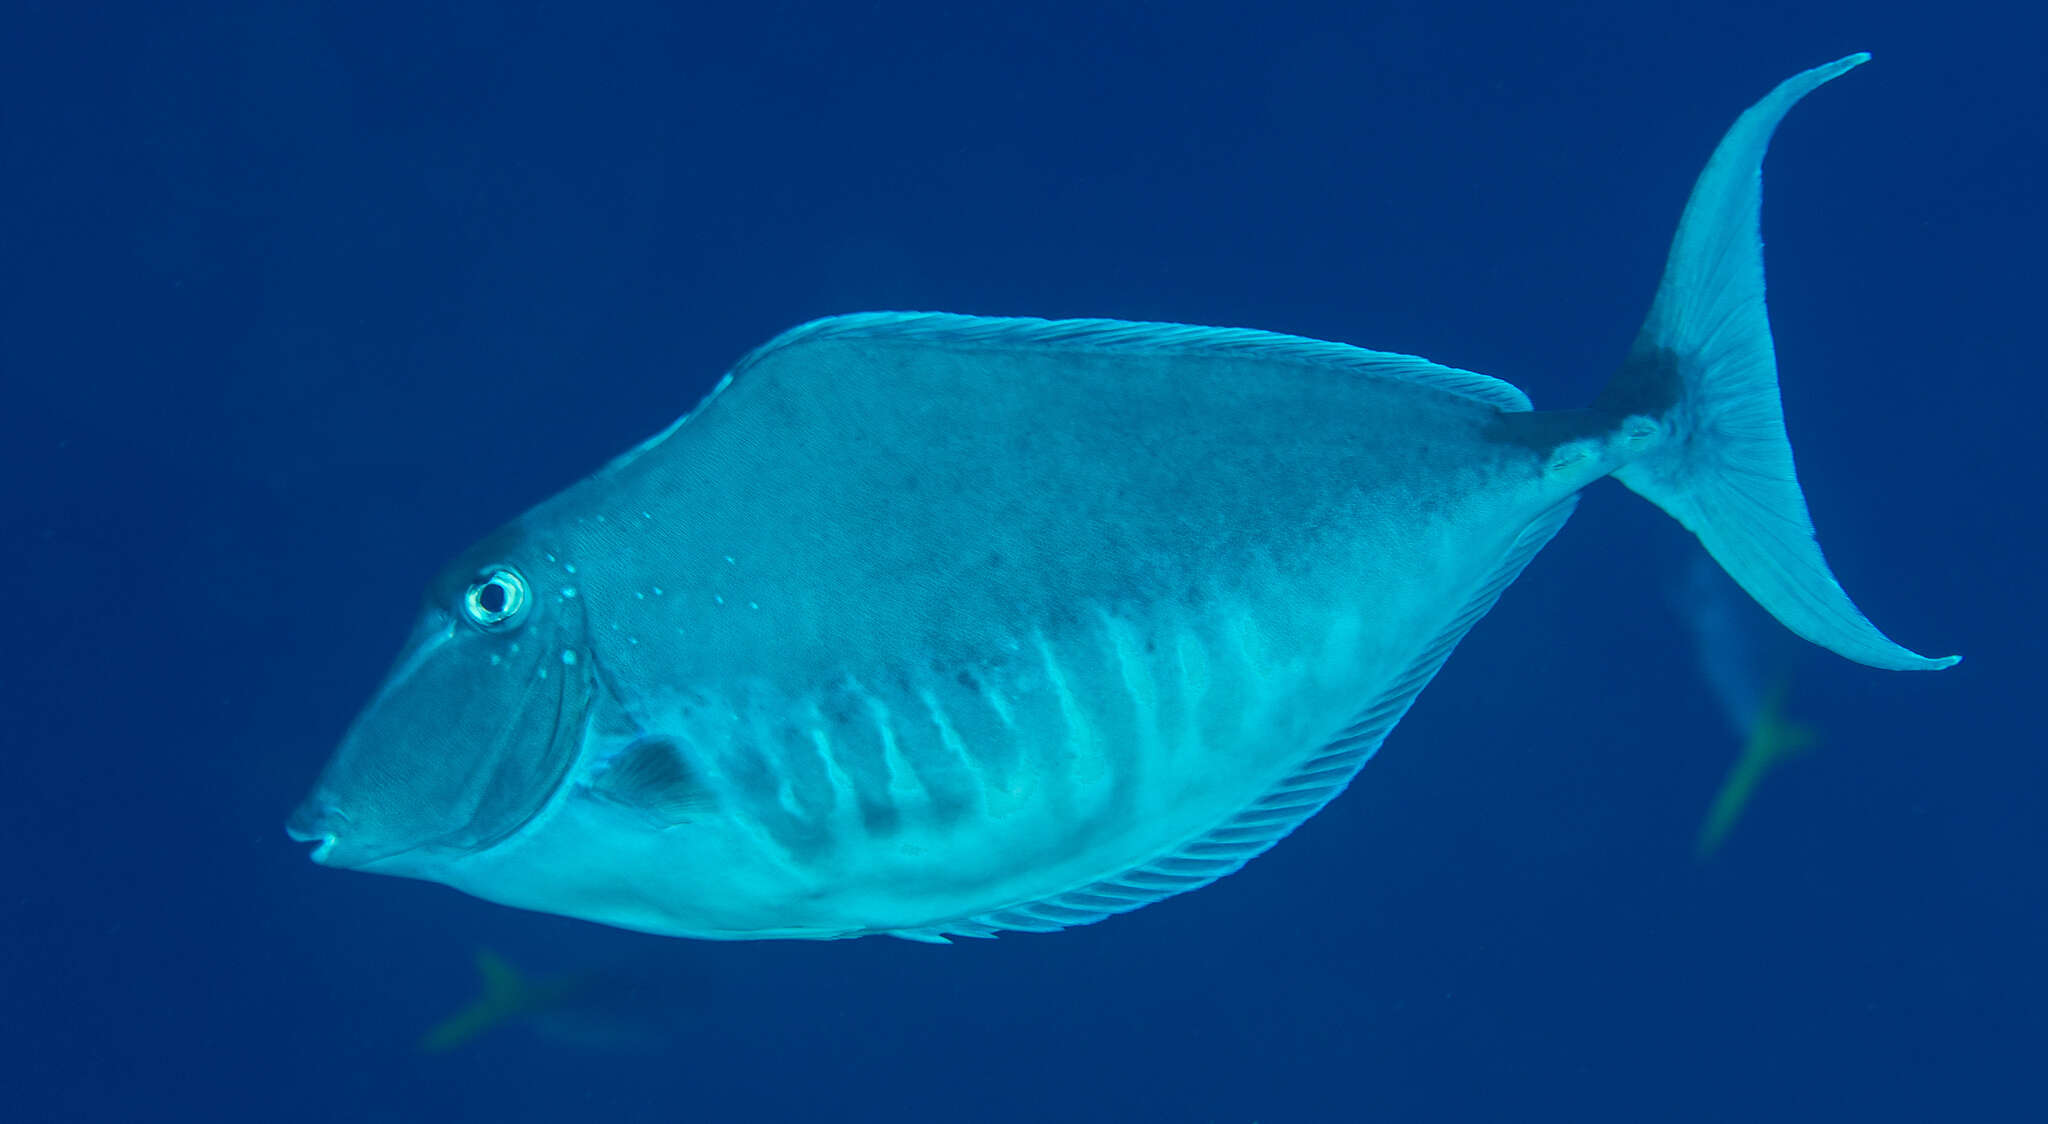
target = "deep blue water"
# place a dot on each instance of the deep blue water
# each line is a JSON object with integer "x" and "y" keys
{"x": 301, "y": 299}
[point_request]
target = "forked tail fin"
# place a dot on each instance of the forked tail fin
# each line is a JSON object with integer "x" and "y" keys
{"x": 1703, "y": 378}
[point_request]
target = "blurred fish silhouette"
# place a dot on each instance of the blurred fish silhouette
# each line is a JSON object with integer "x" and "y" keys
{"x": 1748, "y": 672}
{"x": 611, "y": 1011}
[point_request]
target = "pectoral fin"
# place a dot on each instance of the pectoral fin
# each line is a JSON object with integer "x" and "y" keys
{"x": 652, "y": 780}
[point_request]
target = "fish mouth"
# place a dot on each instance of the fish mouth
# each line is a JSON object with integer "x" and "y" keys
{"x": 311, "y": 824}
{"x": 337, "y": 839}
{"x": 320, "y": 853}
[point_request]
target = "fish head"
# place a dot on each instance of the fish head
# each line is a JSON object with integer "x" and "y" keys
{"x": 472, "y": 730}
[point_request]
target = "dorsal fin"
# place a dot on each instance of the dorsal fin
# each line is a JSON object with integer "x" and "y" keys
{"x": 945, "y": 329}
{"x": 1265, "y": 821}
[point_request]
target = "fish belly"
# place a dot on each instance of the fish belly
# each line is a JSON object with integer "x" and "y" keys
{"x": 899, "y": 801}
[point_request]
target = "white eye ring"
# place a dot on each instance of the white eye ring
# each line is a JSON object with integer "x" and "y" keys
{"x": 497, "y": 599}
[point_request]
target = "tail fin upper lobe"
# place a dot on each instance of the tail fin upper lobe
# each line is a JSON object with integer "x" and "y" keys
{"x": 1700, "y": 386}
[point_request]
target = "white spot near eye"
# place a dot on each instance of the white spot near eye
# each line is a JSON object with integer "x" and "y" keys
{"x": 753, "y": 604}
{"x": 551, "y": 558}
{"x": 543, "y": 672}
{"x": 644, "y": 515}
{"x": 569, "y": 656}
{"x": 657, "y": 591}
{"x": 639, "y": 596}
{"x": 568, "y": 592}
{"x": 717, "y": 598}
{"x": 632, "y": 640}
{"x": 729, "y": 561}
{"x": 496, "y": 659}
{"x": 569, "y": 566}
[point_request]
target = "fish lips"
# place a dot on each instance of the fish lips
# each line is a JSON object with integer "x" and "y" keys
{"x": 318, "y": 822}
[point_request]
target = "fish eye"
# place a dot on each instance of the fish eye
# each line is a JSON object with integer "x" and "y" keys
{"x": 496, "y": 599}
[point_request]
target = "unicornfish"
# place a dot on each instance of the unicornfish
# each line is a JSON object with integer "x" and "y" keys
{"x": 936, "y": 626}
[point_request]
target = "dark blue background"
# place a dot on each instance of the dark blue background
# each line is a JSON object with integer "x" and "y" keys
{"x": 301, "y": 298}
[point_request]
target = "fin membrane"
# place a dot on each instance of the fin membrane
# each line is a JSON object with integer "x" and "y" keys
{"x": 651, "y": 779}
{"x": 950, "y": 330}
{"x": 1704, "y": 370}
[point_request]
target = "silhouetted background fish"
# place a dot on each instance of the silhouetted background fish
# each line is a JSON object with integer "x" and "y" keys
{"x": 645, "y": 1006}
{"x": 1747, "y": 667}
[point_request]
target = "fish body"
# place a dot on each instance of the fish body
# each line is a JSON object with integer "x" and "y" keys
{"x": 1059, "y": 619}
{"x": 933, "y": 625}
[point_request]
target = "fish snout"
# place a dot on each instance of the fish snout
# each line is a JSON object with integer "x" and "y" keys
{"x": 317, "y": 821}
